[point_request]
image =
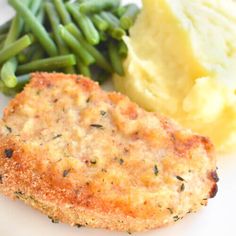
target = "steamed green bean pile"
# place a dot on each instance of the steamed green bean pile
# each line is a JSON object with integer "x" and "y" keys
{"x": 83, "y": 36}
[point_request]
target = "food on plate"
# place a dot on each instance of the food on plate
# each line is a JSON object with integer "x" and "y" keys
{"x": 88, "y": 157}
{"x": 82, "y": 37}
{"x": 181, "y": 61}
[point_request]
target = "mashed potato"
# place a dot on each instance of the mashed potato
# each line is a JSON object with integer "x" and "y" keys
{"x": 182, "y": 62}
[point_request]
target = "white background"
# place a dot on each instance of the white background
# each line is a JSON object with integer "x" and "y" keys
{"x": 218, "y": 218}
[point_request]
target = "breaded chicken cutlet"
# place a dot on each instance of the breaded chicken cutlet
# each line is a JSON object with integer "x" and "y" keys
{"x": 93, "y": 158}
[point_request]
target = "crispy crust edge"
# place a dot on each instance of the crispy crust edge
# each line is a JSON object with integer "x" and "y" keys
{"x": 19, "y": 180}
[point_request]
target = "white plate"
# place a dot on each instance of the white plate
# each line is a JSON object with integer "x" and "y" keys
{"x": 218, "y": 218}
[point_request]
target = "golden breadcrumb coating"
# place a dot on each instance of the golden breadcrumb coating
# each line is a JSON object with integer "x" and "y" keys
{"x": 87, "y": 157}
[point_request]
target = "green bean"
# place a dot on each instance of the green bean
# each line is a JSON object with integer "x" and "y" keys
{"x": 129, "y": 17}
{"x": 101, "y": 24}
{"x": 4, "y": 28}
{"x": 38, "y": 29}
{"x": 93, "y": 6}
{"x": 15, "y": 30}
{"x": 119, "y": 12}
{"x": 54, "y": 21}
{"x": 114, "y": 25}
{"x": 34, "y": 7}
{"x": 76, "y": 46}
{"x": 61, "y": 9}
{"x": 122, "y": 49}
{"x": 41, "y": 15}
{"x": 8, "y": 73}
{"x": 117, "y": 33}
{"x": 81, "y": 1}
{"x": 9, "y": 68}
{"x": 33, "y": 39}
{"x": 3, "y": 37}
{"x": 49, "y": 64}
{"x": 115, "y": 58}
{"x": 100, "y": 59}
{"x": 6, "y": 91}
{"x": 1, "y": 45}
{"x": 27, "y": 2}
{"x": 22, "y": 81}
{"x": 90, "y": 32}
{"x": 110, "y": 18}
{"x": 13, "y": 49}
{"x": 83, "y": 69}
